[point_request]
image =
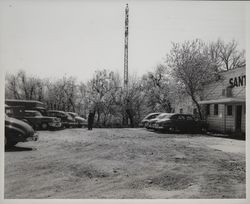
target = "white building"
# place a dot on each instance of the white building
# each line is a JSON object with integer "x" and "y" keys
{"x": 223, "y": 102}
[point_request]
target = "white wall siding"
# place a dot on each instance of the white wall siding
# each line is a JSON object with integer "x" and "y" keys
{"x": 216, "y": 122}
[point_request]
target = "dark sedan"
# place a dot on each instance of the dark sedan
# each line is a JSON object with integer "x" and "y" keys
{"x": 180, "y": 123}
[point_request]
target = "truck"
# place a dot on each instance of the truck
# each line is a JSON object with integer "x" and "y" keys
{"x": 27, "y": 105}
{"x": 33, "y": 118}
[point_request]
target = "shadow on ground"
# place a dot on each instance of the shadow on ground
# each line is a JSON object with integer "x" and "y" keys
{"x": 236, "y": 136}
{"x": 18, "y": 149}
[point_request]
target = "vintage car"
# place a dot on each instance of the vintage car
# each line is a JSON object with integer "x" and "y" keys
{"x": 18, "y": 131}
{"x": 79, "y": 121}
{"x": 33, "y": 118}
{"x": 27, "y": 105}
{"x": 151, "y": 123}
{"x": 39, "y": 121}
{"x": 145, "y": 120}
{"x": 66, "y": 119}
{"x": 180, "y": 123}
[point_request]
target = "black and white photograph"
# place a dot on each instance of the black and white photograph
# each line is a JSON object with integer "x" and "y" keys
{"x": 123, "y": 100}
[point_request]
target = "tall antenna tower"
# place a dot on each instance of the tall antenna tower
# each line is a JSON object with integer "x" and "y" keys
{"x": 126, "y": 50}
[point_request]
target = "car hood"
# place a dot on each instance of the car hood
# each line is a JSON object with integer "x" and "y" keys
{"x": 19, "y": 124}
{"x": 80, "y": 119}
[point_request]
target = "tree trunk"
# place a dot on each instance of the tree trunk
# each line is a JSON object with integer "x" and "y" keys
{"x": 198, "y": 107}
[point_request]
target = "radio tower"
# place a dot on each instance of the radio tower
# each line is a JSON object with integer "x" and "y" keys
{"x": 126, "y": 50}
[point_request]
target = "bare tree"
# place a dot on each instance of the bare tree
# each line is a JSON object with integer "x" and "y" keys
{"x": 157, "y": 88}
{"x": 20, "y": 86}
{"x": 191, "y": 68}
{"x": 61, "y": 94}
{"x": 101, "y": 91}
{"x": 226, "y": 55}
{"x": 11, "y": 87}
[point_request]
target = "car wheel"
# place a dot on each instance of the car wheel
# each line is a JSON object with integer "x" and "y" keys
{"x": 44, "y": 126}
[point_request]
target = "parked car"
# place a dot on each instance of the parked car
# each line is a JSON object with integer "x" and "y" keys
{"x": 32, "y": 117}
{"x": 147, "y": 118}
{"x": 79, "y": 121}
{"x": 152, "y": 122}
{"x": 18, "y": 131}
{"x": 181, "y": 123}
{"x": 66, "y": 120}
{"x": 39, "y": 121}
{"x": 27, "y": 105}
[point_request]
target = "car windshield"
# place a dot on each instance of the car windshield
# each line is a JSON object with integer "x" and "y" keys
{"x": 72, "y": 114}
{"x": 161, "y": 116}
{"x": 37, "y": 113}
{"x": 68, "y": 115}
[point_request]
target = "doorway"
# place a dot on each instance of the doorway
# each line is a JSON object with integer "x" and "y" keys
{"x": 238, "y": 117}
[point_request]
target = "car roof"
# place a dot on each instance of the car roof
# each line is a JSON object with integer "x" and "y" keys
{"x": 184, "y": 114}
{"x": 25, "y": 101}
{"x": 167, "y": 114}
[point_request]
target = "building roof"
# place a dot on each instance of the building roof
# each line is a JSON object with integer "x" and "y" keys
{"x": 223, "y": 100}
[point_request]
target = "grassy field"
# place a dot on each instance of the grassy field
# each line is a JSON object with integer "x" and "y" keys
{"x": 125, "y": 163}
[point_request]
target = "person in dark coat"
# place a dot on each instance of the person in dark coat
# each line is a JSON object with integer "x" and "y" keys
{"x": 90, "y": 120}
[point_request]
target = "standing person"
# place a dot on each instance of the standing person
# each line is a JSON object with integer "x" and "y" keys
{"x": 90, "y": 120}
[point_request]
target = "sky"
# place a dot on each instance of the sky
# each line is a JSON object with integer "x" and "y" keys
{"x": 51, "y": 39}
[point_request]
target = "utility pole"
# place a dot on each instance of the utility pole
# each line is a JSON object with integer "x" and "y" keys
{"x": 125, "y": 119}
{"x": 126, "y": 50}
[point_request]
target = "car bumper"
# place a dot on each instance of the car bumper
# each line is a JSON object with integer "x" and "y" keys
{"x": 33, "y": 138}
{"x": 159, "y": 127}
{"x": 162, "y": 126}
{"x": 55, "y": 125}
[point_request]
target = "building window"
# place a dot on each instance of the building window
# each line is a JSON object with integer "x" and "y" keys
{"x": 215, "y": 109}
{"x": 229, "y": 110}
{"x": 208, "y": 109}
{"x": 181, "y": 110}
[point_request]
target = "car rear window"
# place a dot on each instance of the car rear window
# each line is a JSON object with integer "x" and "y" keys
{"x": 153, "y": 116}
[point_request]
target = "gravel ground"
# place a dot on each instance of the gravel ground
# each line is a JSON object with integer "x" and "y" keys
{"x": 125, "y": 163}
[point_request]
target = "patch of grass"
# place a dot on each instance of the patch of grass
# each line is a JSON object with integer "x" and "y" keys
{"x": 172, "y": 181}
{"x": 87, "y": 171}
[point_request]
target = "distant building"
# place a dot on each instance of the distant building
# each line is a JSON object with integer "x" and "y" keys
{"x": 223, "y": 102}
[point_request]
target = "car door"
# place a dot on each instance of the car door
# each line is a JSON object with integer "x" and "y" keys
{"x": 177, "y": 122}
{"x": 181, "y": 123}
{"x": 190, "y": 123}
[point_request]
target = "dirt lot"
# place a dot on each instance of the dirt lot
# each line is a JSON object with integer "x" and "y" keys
{"x": 125, "y": 163}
